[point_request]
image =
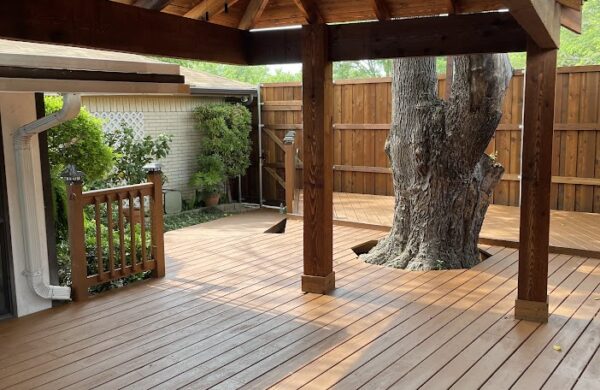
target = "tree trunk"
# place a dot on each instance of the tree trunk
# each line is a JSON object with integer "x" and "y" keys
{"x": 442, "y": 177}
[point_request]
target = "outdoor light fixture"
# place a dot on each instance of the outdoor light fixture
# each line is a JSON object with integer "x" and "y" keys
{"x": 289, "y": 137}
{"x": 72, "y": 175}
{"x": 153, "y": 167}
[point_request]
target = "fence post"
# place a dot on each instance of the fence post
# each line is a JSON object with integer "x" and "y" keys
{"x": 156, "y": 210}
{"x": 74, "y": 181}
{"x": 289, "y": 147}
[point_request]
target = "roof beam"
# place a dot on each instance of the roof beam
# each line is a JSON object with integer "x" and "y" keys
{"x": 112, "y": 26}
{"x": 253, "y": 12}
{"x": 310, "y": 11}
{"x": 573, "y": 4}
{"x": 434, "y": 36}
{"x": 156, "y": 5}
{"x": 211, "y": 8}
{"x": 381, "y": 9}
{"x": 571, "y": 19}
{"x": 540, "y": 18}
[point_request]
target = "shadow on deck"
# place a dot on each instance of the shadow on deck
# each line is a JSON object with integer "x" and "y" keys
{"x": 572, "y": 233}
{"x": 230, "y": 314}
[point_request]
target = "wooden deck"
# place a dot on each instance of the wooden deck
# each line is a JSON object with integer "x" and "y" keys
{"x": 230, "y": 314}
{"x": 574, "y": 233}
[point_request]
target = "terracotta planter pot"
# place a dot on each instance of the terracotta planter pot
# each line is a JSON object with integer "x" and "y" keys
{"x": 211, "y": 200}
{"x": 137, "y": 215}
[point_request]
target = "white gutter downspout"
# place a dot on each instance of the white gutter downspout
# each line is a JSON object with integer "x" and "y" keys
{"x": 28, "y": 188}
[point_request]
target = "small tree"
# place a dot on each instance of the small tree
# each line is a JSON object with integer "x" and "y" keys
{"x": 79, "y": 142}
{"x": 225, "y": 130}
{"x": 133, "y": 153}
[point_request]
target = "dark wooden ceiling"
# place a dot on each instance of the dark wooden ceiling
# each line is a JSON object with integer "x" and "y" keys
{"x": 248, "y": 14}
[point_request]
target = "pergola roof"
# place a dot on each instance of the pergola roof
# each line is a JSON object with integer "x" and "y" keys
{"x": 247, "y": 14}
{"x": 366, "y": 29}
{"x": 338, "y": 30}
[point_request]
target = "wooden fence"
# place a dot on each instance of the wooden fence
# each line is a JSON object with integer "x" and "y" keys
{"x": 124, "y": 241}
{"x": 362, "y": 112}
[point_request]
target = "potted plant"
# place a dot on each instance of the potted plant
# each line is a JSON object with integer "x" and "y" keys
{"x": 225, "y": 148}
{"x": 210, "y": 178}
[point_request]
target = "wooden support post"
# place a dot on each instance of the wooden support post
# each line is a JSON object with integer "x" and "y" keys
{"x": 536, "y": 179}
{"x": 289, "y": 148}
{"x": 317, "y": 95}
{"x": 449, "y": 76}
{"x": 157, "y": 223}
{"x": 76, "y": 228}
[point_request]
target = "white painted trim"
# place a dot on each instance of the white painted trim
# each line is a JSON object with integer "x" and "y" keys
{"x": 97, "y": 87}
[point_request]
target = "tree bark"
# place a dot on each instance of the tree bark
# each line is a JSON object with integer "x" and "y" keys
{"x": 442, "y": 177}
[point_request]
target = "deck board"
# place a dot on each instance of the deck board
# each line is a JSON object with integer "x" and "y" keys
{"x": 230, "y": 314}
{"x": 574, "y": 233}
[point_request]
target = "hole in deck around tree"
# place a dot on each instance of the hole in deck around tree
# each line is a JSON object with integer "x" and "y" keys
{"x": 278, "y": 228}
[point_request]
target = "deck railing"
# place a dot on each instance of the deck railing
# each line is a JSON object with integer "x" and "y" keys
{"x": 126, "y": 237}
{"x": 291, "y": 163}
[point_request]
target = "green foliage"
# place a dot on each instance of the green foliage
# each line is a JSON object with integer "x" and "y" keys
{"x": 210, "y": 176}
{"x": 246, "y": 74}
{"x": 225, "y": 147}
{"x": 80, "y": 142}
{"x": 362, "y": 69}
{"x": 190, "y": 218}
{"x": 133, "y": 153}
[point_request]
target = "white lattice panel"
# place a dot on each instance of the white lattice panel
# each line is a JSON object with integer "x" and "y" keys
{"x": 118, "y": 120}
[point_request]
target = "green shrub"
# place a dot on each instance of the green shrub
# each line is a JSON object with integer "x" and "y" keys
{"x": 225, "y": 147}
{"x": 80, "y": 142}
{"x": 133, "y": 153}
{"x": 210, "y": 176}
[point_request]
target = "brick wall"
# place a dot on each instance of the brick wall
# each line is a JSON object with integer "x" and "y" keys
{"x": 161, "y": 114}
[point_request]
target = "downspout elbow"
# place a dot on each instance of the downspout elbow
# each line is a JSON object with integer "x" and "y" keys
{"x": 27, "y": 189}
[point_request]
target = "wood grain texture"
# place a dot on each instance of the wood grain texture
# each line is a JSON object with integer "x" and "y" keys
{"x": 317, "y": 96}
{"x": 230, "y": 313}
{"x": 112, "y": 26}
{"x": 536, "y": 172}
{"x": 575, "y": 168}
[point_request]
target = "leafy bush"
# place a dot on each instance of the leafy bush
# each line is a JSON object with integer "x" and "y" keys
{"x": 225, "y": 147}
{"x": 80, "y": 142}
{"x": 210, "y": 176}
{"x": 133, "y": 153}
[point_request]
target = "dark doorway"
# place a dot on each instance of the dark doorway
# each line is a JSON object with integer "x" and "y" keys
{"x": 6, "y": 306}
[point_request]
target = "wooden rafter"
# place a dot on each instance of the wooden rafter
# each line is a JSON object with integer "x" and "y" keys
{"x": 157, "y": 5}
{"x": 381, "y": 9}
{"x": 252, "y": 14}
{"x": 211, "y": 8}
{"x": 540, "y": 18}
{"x": 117, "y": 27}
{"x": 310, "y": 11}
{"x": 571, "y": 19}
{"x": 451, "y": 5}
{"x": 573, "y": 4}
{"x": 433, "y": 36}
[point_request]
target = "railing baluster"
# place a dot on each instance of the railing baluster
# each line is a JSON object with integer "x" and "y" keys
{"x": 157, "y": 223}
{"x": 122, "y": 236}
{"x": 77, "y": 239}
{"x": 111, "y": 229}
{"x": 99, "y": 259}
{"x": 152, "y": 247}
{"x": 143, "y": 233}
{"x": 133, "y": 249}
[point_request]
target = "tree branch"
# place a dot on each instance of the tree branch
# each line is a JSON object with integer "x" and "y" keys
{"x": 474, "y": 110}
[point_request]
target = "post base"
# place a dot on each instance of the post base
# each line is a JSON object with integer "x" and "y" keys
{"x": 531, "y": 310}
{"x": 318, "y": 284}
